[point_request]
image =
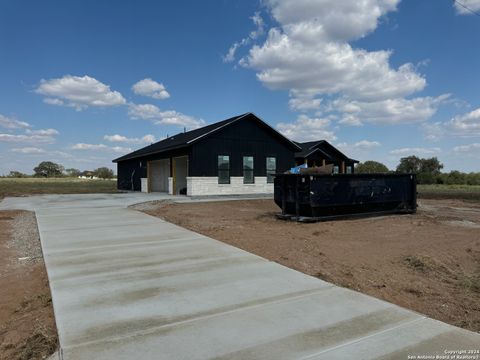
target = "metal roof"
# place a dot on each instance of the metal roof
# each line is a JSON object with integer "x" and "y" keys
{"x": 187, "y": 138}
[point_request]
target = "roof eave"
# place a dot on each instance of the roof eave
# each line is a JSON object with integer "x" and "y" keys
{"x": 126, "y": 157}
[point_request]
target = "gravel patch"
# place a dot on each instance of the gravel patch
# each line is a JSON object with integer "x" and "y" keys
{"x": 150, "y": 205}
{"x": 25, "y": 238}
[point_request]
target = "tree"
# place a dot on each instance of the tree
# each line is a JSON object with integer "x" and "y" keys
{"x": 16, "y": 174}
{"x": 104, "y": 173}
{"x": 455, "y": 178}
{"x": 409, "y": 164}
{"x": 73, "y": 172}
{"x": 473, "y": 178}
{"x": 431, "y": 166}
{"x": 370, "y": 167}
{"x": 48, "y": 169}
{"x": 427, "y": 170}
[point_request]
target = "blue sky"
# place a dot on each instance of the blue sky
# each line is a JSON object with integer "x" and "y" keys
{"x": 83, "y": 82}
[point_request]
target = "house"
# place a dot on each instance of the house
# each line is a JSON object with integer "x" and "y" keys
{"x": 321, "y": 153}
{"x": 239, "y": 155}
{"x": 234, "y": 156}
{"x": 87, "y": 175}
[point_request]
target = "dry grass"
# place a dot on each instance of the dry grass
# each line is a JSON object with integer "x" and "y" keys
{"x": 465, "y": 192}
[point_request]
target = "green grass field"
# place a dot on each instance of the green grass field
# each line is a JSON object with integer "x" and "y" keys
{"x": 31, "y": 186}
{"x": 465, "y": 192}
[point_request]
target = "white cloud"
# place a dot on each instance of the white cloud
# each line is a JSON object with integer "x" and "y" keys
{"x": 306, "y": 129}
{"x": 467, "y": 124}
{"x": 366, "y": 144}
{"x": 10, "y": 123}
{"x": 473, "y": 5}
{"x": 28, "y": 150}
{"x": 259, "y": 31}
{"x": 310, "y": 67}
{"x": 335, "y": 20}
{"x": 53, "y": 101}
{"x": 390, "y": 111}
{"x": 415, "y": 151}
{"x": 151, "y": 88}
{"x": 230, "y": 55}
{"x": 259, "y": 26}
{"x": 303, "y": 102}
{"x": 35, "y": 138}
{"x": 101, "y": 147}
{"x": 83, "y": 146}
{"x": 43, "y": 132}
{"x": 79, "y": 92}
{"x": 168, "y": 117}
{"x": 359, "y": 150}
{"x": 309, "y": 54}
{"x": 149, "y": 138}
{"x": 433, "y": 131}
{"x": 475, "y": 147}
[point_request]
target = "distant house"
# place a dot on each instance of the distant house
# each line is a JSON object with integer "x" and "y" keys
{"x": 87, "y": 175}
{"x": 239, "y": 155}
{"x": 318, "y": 153}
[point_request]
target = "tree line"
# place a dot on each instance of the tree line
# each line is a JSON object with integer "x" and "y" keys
{"x": 429, "y": 171}
{"x": 49, "y": 169}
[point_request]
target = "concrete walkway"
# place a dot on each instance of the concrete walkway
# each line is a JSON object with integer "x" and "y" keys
{"x": 126, "y": 285}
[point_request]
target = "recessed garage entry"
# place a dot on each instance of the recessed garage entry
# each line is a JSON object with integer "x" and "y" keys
{"x": 159, "y": 171}
{"x": 180, "y": 173}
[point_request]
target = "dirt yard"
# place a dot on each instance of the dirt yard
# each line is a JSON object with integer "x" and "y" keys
{"x": 428, "y": 262}
{"x": 27, "y": 325}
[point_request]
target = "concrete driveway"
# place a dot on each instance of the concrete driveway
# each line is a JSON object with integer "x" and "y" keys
{"x": 126, "y": 285}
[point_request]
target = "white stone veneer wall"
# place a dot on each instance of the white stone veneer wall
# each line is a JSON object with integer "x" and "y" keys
{"x": 170, "y": 185}
{"x": 209, "y": 186}
{"x": 144, "y": 185}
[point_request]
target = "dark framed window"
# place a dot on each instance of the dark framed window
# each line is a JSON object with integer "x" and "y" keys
{"x": 223, "y": 169}
{"x": 348, "y": 170}
{"x": 271, "y": 169}
{"x": 248, "y": 177}
{"x": 336, "y": 169}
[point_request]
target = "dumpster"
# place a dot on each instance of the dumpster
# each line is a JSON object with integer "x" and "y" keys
{"x": 309, "y": 198}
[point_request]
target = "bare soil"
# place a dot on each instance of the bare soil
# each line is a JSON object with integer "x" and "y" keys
{"x": 428, "y": 262}
{"x": 27, "y": 324}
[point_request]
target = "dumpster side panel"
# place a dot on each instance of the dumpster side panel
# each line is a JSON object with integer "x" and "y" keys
{"x": 337, "y": 195}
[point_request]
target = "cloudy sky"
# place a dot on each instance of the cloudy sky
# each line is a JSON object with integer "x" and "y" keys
{"x": 83, "y": 82}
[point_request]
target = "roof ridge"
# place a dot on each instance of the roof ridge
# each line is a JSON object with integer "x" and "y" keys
{"x": 182, "y": 138}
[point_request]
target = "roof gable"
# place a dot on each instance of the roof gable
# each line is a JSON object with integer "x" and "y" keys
{"x": 185, "y": 139}
{"x": 324, "y": 146}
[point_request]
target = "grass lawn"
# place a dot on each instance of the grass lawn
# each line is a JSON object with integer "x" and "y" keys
{"x": 466, "y": 192}
{"x": 31, "y": 186}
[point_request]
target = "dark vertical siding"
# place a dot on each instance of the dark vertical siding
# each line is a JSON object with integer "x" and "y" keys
{"x": 246, "y": 137}
{"x": 131, "y": 169}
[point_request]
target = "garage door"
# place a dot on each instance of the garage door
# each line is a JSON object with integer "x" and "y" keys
{"x": 159, "y": 173}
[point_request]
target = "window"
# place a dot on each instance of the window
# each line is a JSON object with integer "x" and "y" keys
{"x": 223, "y": 169}
{"x": 271, "y": 169}
{"x": 349, "y": 169}
{"x": 248, "y": 177}
{"x": 336, "y": 169}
